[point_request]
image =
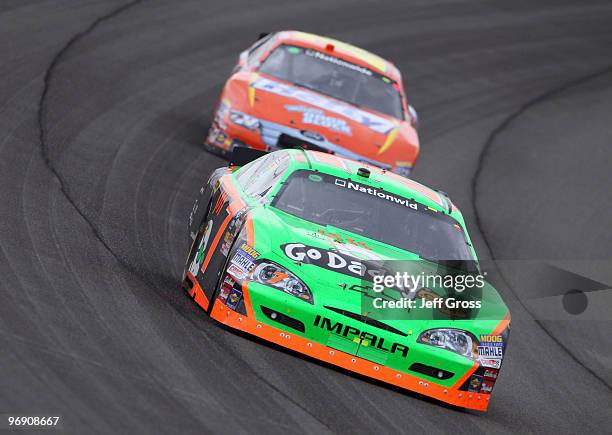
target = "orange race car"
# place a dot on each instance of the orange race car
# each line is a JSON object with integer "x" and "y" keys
{"x": 295, "y": 89}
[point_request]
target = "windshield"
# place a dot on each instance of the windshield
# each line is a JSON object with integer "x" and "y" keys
{"x": 375, "y": 214}
{"x": 335, "y": 77}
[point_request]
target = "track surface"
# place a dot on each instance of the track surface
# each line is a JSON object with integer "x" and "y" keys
{"x": 102, "y": 109}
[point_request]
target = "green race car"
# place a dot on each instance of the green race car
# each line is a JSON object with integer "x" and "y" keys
{"x": 351, "y": 265}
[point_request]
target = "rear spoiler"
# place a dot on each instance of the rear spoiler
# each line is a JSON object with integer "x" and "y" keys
{"x": 242, "y": 155}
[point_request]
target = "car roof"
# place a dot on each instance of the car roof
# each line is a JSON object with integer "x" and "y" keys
{"x": 379, "y": 178}
{"x": 342, "y": 50}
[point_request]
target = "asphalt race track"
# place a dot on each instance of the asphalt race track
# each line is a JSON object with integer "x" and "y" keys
{"x": 103, "y": 106}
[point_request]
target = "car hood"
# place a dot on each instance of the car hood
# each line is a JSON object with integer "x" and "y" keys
{"x": 332, "y": 263}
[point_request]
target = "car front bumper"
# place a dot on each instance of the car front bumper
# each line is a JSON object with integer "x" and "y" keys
{"x": 454, "y": 391}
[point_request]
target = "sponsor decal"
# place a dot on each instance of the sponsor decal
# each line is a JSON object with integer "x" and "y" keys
{"x": 348, "y": 184}
{"x": 216, "y": 186}
{"x": 231, "y": 231}
{"x": 491, "y": 346}
{"x": 236, "y": 271}
{"x": 222, "y": 139}
{"x": 491, "y": 351}
{"x": 233, "y": 299}
{"x": 243, "y": 262}
{"x": 491, "y": 340}
{"x": 357, "y": 335}
{"x": 491, "y": 373}
{"x": 337, "y": 61}
{"x": 221, "y": 199}
{"x": 490, "y": 362}
{"x": 248, "y": 251}
{"x": 194, "y": 267}
{"x": 227, "y": 243}
{"x": 486, "y": 387}
{"x": 226, "y": 286}
{"x": 339, "y": 239}
{"x": 475, "y": 383}
{"x": 348, "y": 245}
{"x": 313, "y": 116}
{"x": 369, "y": 120}
{"x": 217, "y": 136}
{"x": 330, "y": 260}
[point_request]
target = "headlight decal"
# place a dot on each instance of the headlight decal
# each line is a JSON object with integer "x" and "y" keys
{"x": 456, "y": 340}
{"x": 276, "y": 276}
